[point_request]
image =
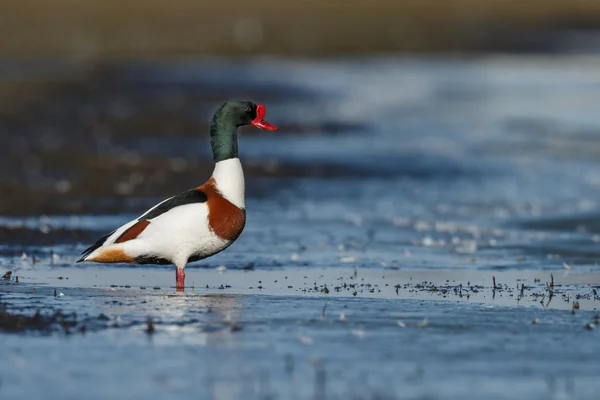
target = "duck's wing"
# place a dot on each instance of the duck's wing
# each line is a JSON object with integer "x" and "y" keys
{"x": 133, "y": 228}
{"x": 191, "y": 196}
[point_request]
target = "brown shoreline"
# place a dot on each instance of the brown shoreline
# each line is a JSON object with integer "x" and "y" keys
{"x": 124, "y": 29}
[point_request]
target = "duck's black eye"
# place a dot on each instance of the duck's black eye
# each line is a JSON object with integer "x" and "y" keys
{"x": 248, "y": 109}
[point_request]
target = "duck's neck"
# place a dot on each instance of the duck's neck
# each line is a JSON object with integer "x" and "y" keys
{"x": 229, "y": 181}
{"x": 228, "y": 174}
{"x": 223, "y": 138}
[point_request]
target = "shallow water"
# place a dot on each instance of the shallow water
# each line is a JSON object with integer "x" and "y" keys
{"x": 391, "y": 183}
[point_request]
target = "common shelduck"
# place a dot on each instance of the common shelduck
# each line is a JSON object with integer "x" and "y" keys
{"x": 195, "y": 224}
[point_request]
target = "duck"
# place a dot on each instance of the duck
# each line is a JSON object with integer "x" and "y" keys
{"x": 199, "y": 222}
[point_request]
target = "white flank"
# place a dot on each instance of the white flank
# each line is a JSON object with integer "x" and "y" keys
{"x": 229, "y": 179}
{"x": 111, "y": 239}
{"x": 176, "y": 235}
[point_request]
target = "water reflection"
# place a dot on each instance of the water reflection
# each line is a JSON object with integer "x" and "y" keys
{"x": 190, "y": 319}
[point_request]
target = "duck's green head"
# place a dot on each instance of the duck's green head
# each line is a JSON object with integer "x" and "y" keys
{"x": 230, "y": 116}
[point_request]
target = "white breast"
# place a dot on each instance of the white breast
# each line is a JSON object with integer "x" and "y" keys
{"x": 229, "y": 180}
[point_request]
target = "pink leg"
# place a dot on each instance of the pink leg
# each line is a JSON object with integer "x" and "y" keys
{"x": 180, "y": 280}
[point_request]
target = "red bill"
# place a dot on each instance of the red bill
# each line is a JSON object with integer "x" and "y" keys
{"x": 260, "y": 122}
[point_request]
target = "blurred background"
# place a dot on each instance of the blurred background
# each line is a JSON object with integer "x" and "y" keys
{"x": 427, "y": 138}
{"x": 160, "y": 28}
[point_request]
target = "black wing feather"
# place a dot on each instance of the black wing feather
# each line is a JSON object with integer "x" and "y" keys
{"x": 188, "y": 197}
{"x": 93, "y": 247}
